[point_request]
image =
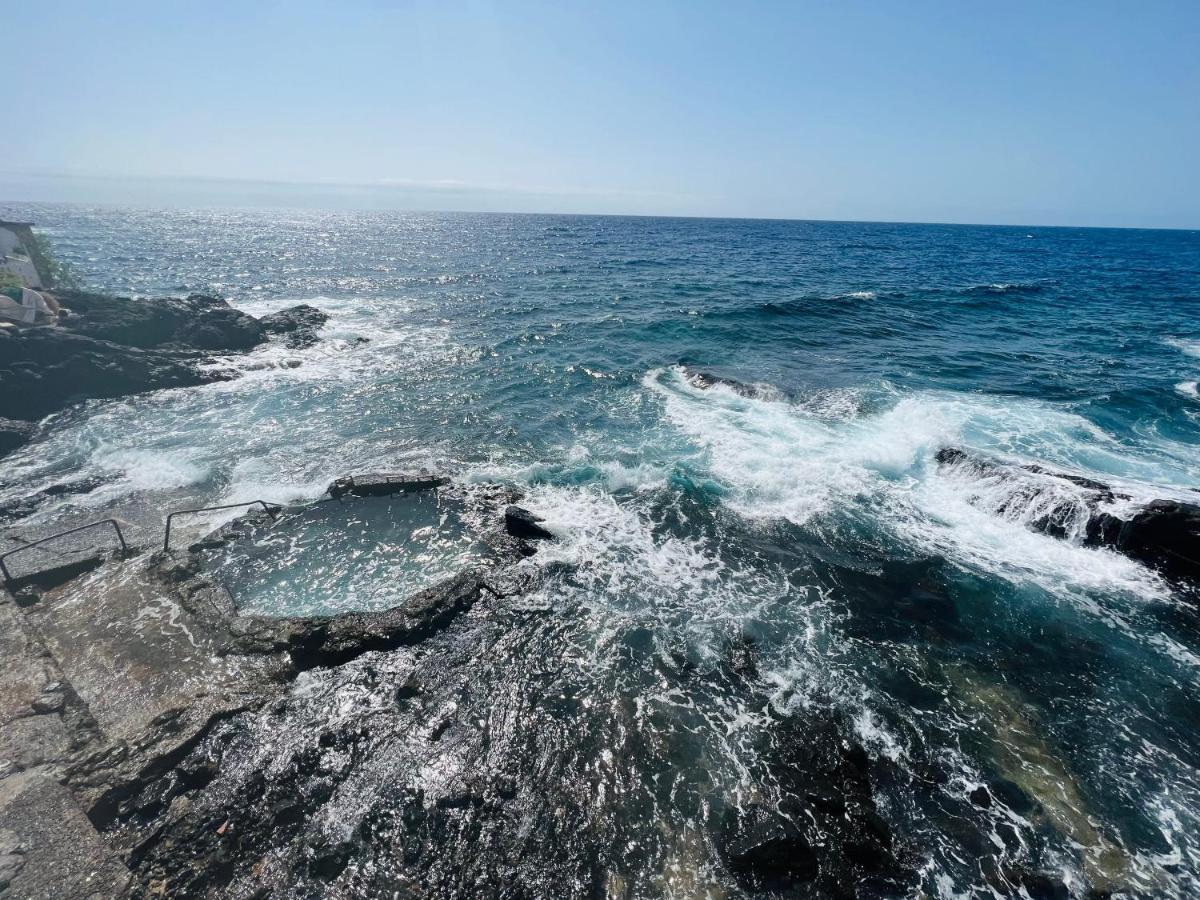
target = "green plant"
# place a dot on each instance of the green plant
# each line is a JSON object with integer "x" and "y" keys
{"x": 8, "y": 281}
{"x": 57, "y": 274}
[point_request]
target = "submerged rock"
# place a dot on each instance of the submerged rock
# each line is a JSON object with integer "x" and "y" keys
{"x": 767, "y": 852}
{"x": 14, "y": 433}
{"x": 26, "y": 505}
{"x": 824, "y": 828}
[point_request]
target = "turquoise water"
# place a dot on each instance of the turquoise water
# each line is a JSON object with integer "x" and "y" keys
{"x": 552, "y": 353}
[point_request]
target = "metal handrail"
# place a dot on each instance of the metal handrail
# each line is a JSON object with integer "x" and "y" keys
{"x": 113, "y": 522}
{"x": 185, "y": 512}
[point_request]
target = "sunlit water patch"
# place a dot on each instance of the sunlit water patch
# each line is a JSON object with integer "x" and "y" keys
{"x": 332, "y": 557}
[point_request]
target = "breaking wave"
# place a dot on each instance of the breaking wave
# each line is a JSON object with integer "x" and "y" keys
{"x": 814, "y": 465}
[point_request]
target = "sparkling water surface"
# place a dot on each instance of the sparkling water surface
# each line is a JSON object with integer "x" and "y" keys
{"x": 809, "y": 518}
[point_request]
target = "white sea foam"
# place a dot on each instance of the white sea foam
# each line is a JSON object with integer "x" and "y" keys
{"x": 782, "y": 462}
{"x": 876, "y": 736}
{"x": 1189, "y": 389}
{"x": 147, "y": 470}
{"x": 857, "y": 295}
{"x": 1190, "y": 346}
{"x": 616, "y": 557}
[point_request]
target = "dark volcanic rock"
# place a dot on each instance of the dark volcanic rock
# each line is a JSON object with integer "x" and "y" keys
{"x": 44, "y": 370}
{"x": 952, "y": 456}
{"x": 298, "y": 324}
{"x": 198, "y": 322}
{"x": 1164, "y": 534}
{"x": 114, "y": 346}
{"x": 332, "y": 640}
{"x": 766, "y": 852}
{"x": 824, "y": 777}
{"x": 703, "y": 379}
{"x": 521, "y": 523}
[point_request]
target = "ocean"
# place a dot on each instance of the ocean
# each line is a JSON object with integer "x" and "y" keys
{"x": 797, "y": 511}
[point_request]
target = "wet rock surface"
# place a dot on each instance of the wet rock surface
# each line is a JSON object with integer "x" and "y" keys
{"x": 708, "y": 379}
{"x": 116, "y": 682}
{"x": 197, "y": 322}
{"x": 468, "y": 741}
{"x": 114, "y": 346}
{"x": 1163, "y": 534}
{"x": 298, "y": 325}
{"x": 522, "y": 523}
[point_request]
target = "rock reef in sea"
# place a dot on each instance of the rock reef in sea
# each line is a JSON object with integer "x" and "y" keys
{"x": 106, "y": 347}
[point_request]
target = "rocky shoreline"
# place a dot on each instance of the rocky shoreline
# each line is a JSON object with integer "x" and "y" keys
{"x": 158, "y": 741}
{"x": 108, "y": 347}
{"x": 107, "y": 702}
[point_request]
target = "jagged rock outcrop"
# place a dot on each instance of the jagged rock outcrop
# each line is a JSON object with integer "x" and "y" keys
{"x": 198, "y": 322}
{"x": 521, "y": 523}
{"x": 706, "y": 379}
{"x": 1163, "y": 534}
{"x": 298, "y": 325}
{"x": 46, "y": 369}
{"x": 108, "y": 347}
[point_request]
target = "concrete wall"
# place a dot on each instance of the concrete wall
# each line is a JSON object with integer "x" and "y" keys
{"x": 20, "y": 265}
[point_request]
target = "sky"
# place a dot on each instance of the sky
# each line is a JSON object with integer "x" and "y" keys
{"x": 1072, "y": 113}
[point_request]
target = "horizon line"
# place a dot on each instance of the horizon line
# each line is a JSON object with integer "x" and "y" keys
{"x": 450, "y": 185}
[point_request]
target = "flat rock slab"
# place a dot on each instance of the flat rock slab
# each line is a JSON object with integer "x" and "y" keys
{"x": 48, "y": 847}
{"x": 31, "y": 730}
{"x": 136, "y": 656}
{"x": 378, "y": 484}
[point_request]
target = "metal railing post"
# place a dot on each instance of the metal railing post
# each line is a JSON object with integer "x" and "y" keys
{"x": 113, "y": 522}
{"x": 267, "y": 507}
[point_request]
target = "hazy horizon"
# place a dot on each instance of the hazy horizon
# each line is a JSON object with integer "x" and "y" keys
{"x": 1077, "y": 115}
{"x": 307, "y": 197}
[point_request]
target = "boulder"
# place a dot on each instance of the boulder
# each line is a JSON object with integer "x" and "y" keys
{"x": 1163, "y": 534}
{"x": 521, "y": 523}
{"x": 297, "y": 324}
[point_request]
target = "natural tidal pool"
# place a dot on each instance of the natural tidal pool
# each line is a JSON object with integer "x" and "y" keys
{"x": 345, "y": 555}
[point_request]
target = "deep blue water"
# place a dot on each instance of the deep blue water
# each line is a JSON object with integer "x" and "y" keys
{"x": 550, "y": 353}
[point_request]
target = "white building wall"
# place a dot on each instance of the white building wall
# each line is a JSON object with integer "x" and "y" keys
{"x": 21, "y": 266}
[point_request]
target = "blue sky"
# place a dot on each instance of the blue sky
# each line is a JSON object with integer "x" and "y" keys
{"x": 1032, "y": 113}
